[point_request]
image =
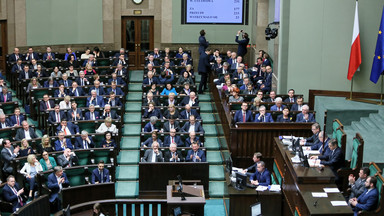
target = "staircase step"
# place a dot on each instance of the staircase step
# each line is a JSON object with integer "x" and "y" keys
{"x": 218, "y": 189}
{"x": 130, "y": 143}
{"x": 205, "y": 98}
{"x": 214, "y": 157}
{"x": 216, "y": 172}
{"x": 135, "y": 87}
{"x": 210, "y": 130}
{"x": 211, "y": 143}
{"x": 127, "y": 173}
{"x": 377, "y": 120}
{"x": 132, "y": 118}
{"x": 214, "y": 207}
{"x": 136, "y": 76}
{"x": 132, "y": 107}
{"x": 207, "y": 118}
{"x": 132, "y": 130}
{"x": 205, "y": 107}
{"x": 368, "y": 123}
{"x": 134, "y": 96}
{"x": 127, "y": 189}
{"x": 359, "y": 126}
{"x": 128, "y": 157}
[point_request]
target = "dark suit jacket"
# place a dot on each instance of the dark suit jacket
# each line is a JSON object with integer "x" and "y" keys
{"x": 62, "y": 161}
{"x": 43, "y": 105}
{"x": 116, "y": 62}
{"x": 300, "y": 118}
{"x": 93, "y": 63}
{"x": 88, "y": 115}
{"x": 280, "y": 118}
{"x": 74, "y": 129}
{"x": 54, "y": 186}
{"x": 148, "y": 128}
{"x": 295, "y": 107}
{"x": 176, "y": 125}
{"x": 101, "y": 90}
{"x": 274, "y": 108}
{"x": 11, "y": 197}
{"x": 287, "y": 100}
{"x": 198, "y": 127}
{"x": 155, "y": 80}
{"x": 204, "y": 65}
{"x": 200, "y": 153}
{"x": 6, "y": 124}
{"x": 239, "y": 116}
{"x": 118, "y": 91}
{"x": 80, "y": 92}
{"x": 96, "y": 177}
{"x": 183, "y": 114}
{"x": 335, "y": 161}
{"x": 117, "y": 102}
{"x": 58, "y": 145}
{"x": 12, "y": 119}
{"x": 15, "y": 68}
{"x": 242, "y": 47}
{"x": 8, "y": 99}
{"x": 252, "y": 168}
{"x": 168, "y": 157}
{"x": 69, "y": 82}
{"x": 119, "y": 81}
{"x": 21, "y": 135}
{"x": 70, "y": 118}
{"x": 80, "y": 143}
{"x": 12, "y": 57}
{"x": 149, "y": 142}
{"x": 122, "y": 72}
{"x": 313, "y": 139}
{"x": 99, "y": 100}
{"x": 46, "y": 84}
{"x": 45, "y": 56}
{"x": 203, "y": 44}
{"x": 35, "y": 56}
{"x": 22, "y": 74}
{"x": 57, "y": 93}
{"x": 148, "y": 156}
{"x": 78, "y": 81}
{"x": 367, "y": 201}
{"x": 155, "y": 100}
{"x": 188, "y": 142}
{"x": 267, "y": 118}
{"x": 167, "y": 141}
{"x": 185, "y": 101}
{"x": 264, "y": 178}
{"x": 52, "y": 116}
{"x": 7, "y": 158}
{"x": 156, "y": 112}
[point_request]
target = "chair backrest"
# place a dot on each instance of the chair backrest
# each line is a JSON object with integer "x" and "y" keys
{"x": 341, "y": 138}
{"x": 374, "y": 169}
{"x": 380, "y": 188}
{"x": 357, "y": 152}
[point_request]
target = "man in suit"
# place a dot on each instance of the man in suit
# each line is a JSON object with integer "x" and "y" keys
{"x": 367, "y": 201}
{"x": 232, "y": 59}
{"x": 204, "y": 68}
{"x": 237, "y": 66}
{"x": 8, "y": 153}
{"x": 291, "y": 98}
{"x": 5, "y": 96}
{"x": 113, "y": 100}
{"x": 278, "y": 105}
{"x": 334, "y": 159}
{"x": 154, "y": 154}
{"x": 84, "y": 141}
{"x": 67, "y": 159}
{"x": 31, "y": 55}
{"x": 172, "y": 138}
{"x": 97, "y": 101}
{"x": 244, "y": 85}
{"x": 115, "y": 89}
{"x": 185, "y": 61}
{"x": 46, "y": 104}
{"x": 116, "y": 79}
{"x": 223, "y": 70}
{"x": 63, "y": 143}
{"x": 26, "y": 73}
{"x": 50, "y": 83}
{"x": 15, "y": 55}
{"x": 150, "y": 99}
{"x": 49, "y": 55}
{"x": 151, "y": 125}
{"x": 120, "y": 60}
{"x": 121, "y": 52}
{"x": 314, "y": 138}
{"x": 191, "y": 100}
{"x": 252, "y": 169}
{"x": 266, "y": 84}
{"x": 68, "y": 128}
{"x": 298, "y": 106}
{"x": 92, "y": 114}
{"x": 188, "y": 111}
{"x": 16, "y": 118}
{"x": 3, "y": 122}
{"x": 120, "y": 71}
{"x": 91, "y": 61}
{"x": 76, "y": 91}
{"x": 101, "y": 174}
{"x": 109, "y": 113}
{"x": 321, "y": 145}
{"x": 154, "y": 138}
{"x": 263, "y": 116}
{"x": 357, "y": 187}
{"x": 75, "y": 114}
{"x": 82, "y": 80}
{"x": 151, "y": 61}
{"x": 13, "y": 194}
{"x": 156, "y": 53}
{"x": 56, "y": 115}
{"x": 243, "y": 115}
{"x": 242, "y": 47}
{"x": 150, "y": 79}
{"x": 195, "y": 154}
{"x": 33, "y": 65}
{"x": 192, "y": 125}
{"x": 18, "y": 66}
{"x": 173, "y": 155}
{"x": 171, "y": 124}
{"x": 61, "y": 91}
{"x": 25, "y": 132}
{"x": 262, "y": 176}
{"x": 99, "y": 90}
{"x": 56, "y": 182}
{"x": 305, "y": 116}
{"x": 272, "y": 97}
{"x": 203, "y": 43}
{"x": 191, "y": 139}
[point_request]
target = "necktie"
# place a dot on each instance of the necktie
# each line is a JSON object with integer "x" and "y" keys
{"x": 292, "y": 100}
{"x": 95, "y": 101}
{"x": 77, "y": 93}
{"x": 150, "y": 81}
{"x": 101, "y": 177}
{"x": 85, "y": 145}
{"x": 17, "y": 57}
{"x": 5, "y": 98}
{"x": 93, "y": 116}
{"x": 18, "y": 197}
{"x": 97, "y": 90}
{"x": 82, "y": 81}
{"x": 194, "y": 156}
{"x": 263, "y": 119}
{"x": 65, "y": 131}
{"x": 48, "y": 105}
{"x": 57, "y": 117}
{"x": 243, "y": 116}
{"x": 172, "y": 140}
{"x": 17, "y": 120}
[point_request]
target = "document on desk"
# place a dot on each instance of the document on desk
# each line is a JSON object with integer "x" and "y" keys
{"x": 296, "y": 159}
{"x": 275, "y": 187}
{"x": 339, "y": 203}
{"x": 319, "y": 194}
{"x": 311, "y": 152}
{"x": 331, "y": 190}
{"x": 262, "y": 188}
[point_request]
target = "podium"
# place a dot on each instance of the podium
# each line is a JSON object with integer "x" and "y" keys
{"x": 194, "y": 199}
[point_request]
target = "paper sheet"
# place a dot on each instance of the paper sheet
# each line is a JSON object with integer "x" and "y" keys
{"x": 275, "y": 187}
{"x": 319, "y": 194}
{"x": 312, "y": 152}
{"x": 331, "y": 190}
{"x": 339, "y": 203}
{"x": 262, "y": 188}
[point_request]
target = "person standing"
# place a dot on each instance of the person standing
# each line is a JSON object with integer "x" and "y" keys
{"x": 204, "y": 68}
{"x": 203, "y": 43}
{"x": 242, "y": 47}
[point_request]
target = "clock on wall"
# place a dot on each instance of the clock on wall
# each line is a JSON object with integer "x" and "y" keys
{"x": 137, "y": 1}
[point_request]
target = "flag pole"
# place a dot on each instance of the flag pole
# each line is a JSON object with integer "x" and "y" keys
{"x": 350, "y": 94}
{"x": 381, "y": 95}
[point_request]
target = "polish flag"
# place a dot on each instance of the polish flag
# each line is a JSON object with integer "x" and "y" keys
{"x": 355, "y": 58}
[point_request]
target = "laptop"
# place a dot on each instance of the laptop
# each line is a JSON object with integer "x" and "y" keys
{"x": 256, "y": 209}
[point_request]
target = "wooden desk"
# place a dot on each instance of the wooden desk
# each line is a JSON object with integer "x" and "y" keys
{"x": 85, "y": 193}
{"x": 194, "y": 205}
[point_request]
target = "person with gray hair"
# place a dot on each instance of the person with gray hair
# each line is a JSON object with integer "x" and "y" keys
{"x": 278, "y": 105}
{"x": 3, "y": 122}
{"x": 173, "y": 155}
{"x": 84, "y": 141}
{"x": 56, "y": 182}
{"x": 108, "y": 112}
{"x": 263, "y": 116}
{"x": 94, "y": 99}
{"x": 305, "y": 116}
{"x": 151, "y": 125}
{"x": 154, "y": 154}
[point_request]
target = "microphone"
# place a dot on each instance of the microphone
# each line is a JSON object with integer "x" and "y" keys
{"x": 315, "y": 203}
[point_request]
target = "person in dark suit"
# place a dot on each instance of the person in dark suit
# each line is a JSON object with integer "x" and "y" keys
{"x": 285, "y": 117}
{"x": 334, "y": 159}
{"x": 304, "y": 116}
{"x": 113, "y": 100}
{"x": 97, "y": 101}
{"x": 82, "y": 80}
{"x": 108, "y": 112}
{"x": 61, "y": 91}
{"x": 243, "y": 43}
{"x": 191, "y": 139}
{"x": 152, "y": 111}
{"x": 75, "y": 114}
{"x": 26, "y": 132}
{"x": 3, "y": 122}
{"x": 171, "y": 124}
{"x": 115, "y": 89}
{"x": 321, "y": 145}
{"x": 357, "y": 187}
{"x": 173, "y": 155}
{"x": 92, "y": 114}
{"x": 150, "y": 79}
{"x": 192, "y": 125}
{"x": 262, "y": 176}
{"x": 91, "y": 61}
{"x": 49, "y": 55}
{"x": 56, "y": 115}
{"x": 291, "y": 98}
{"x": 151, "y": 125}
{"x": 263, "y": 116}
{"x": 121, "y": 59}
{"x": 154, "y": 138}
{"x": 314, "y": 138}
{"x": 99, "y": 90}
{"x": 185, "y": 61}
{"x": 18, "y": 66}
{"x": 67, "y": 127}
{"x": 253, "y": 168}
{"x": 13, "y": 194}
{"x": 204, "y": 69}
{"x": 150, "y": 99}
{"x": 46, "y": 104}
{"x": 121, "y": 52}
{"x": 84, "y": 141}
{"x": 101, "y": 174}
{"x": 76, "y": 91}
{"x": 26, "y": 73}
{"x": 298, "y": 106}
{"x": 16, "y": 119}
{"x": 266, "y": 84}
{"x": 50, "y": 83}
{"x": 15, "y": 55}
{"x": 67, "y": 159}
{"x": 367, "y": 201}
{"x": 195, "y": 154}
{"x": 120, "y": 71}
{"x": 152, "y": 61}
{"x": 243, "y": 115}
{"x": 5, "y": 96}
{"x": 172, "y": 138}
{"x": 62, "y": 143}
{"x": 116, "y": 79}
{"x": 154, "y": 154}
{"x": 272, "y": 97}
{"x": 188, "y": 111}
{"x": 203, "y": 43}
{"x": 8, "y": 154}
{"x": 279, "y": 106}
{"x": 56, "y": 181}
{"x": 192, "y": 100}
{"x": 31, "y": 55}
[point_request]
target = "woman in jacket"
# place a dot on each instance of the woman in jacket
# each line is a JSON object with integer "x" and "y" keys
{"x": 30, "y": 171}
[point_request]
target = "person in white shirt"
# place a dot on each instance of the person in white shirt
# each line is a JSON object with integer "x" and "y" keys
{"x": 30, "y": 171}
{"x": 107, "y": 126}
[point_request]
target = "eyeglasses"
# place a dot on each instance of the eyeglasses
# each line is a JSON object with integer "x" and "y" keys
{"x": 45, "y": 154}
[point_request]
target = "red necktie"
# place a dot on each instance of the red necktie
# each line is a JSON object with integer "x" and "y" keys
{"x": 243, "y": 117}
{"x": 172, "y": 140}
{"x": 65, "y": 131}
{"x": 18, "y": 197}
{"x": 58, "y": 117}
{"x": 17, "y": 120}
{"x": 5, "y": 98}
{"x": 48, "y": 105}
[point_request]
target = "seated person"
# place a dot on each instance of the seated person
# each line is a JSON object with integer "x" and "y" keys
{"x": 121, "y": 52}
{"x": 61, "y": 92}
{"x": 45, "y": 145}
{"x": 152, "y": 111}
{"x": 172, "y": 138}
{"x": 191, "y": 139}
{"x": 56, "y": 73}
{"x": 46, "y": 104}
{"x": 67, "y": 159}
{"x": 171, "y": 111}
{"x": 185, "y": 78}
{"x": 195, "y": 154}
{"x": 192, "y": 125}
{"x": 76, "y": 90}
{"x": 16, "y": 119}
{"x": 153, "y": 155}
{"x": 121, "y": 60}
{"x": 150, "y": 99}
{"x": 13, "y": 194}
{"x": 30, "y": 171}
{"x": 18, "y": 66}
{"x": 150, "y": 79}
{"x": 151, "y": 61}
{"x": 156, "y": 53}
{"x": 25, "y": 149}
{"x": 66, "y": 103}
{"x": 235, "y": 96}
{"x": 50, "y": 83}
{"x": 75, "y": 114}
{"x": 108, "y": 112}
{"x": 323, "y": 149}
{"x": 263, "y": 116}
{"x": 314, "y": 138}
{"x": 249, "y": 90}
{"x": 266, "y": 84}
{"x": 192, "y": 100}
{"x": 47, "y": 162}
{"x": 68, "y": 128}
{"x": 262, "y": 176}
{"x": 5, "y": 96}
{"x": 120, "y": 71}
{"x": 151, "y": 140}
{"x": 171, "y": 124}
{"x": 56, "y": 181}
{"x": 8, "y": 154}
{"x": 285, "y": 117}
{"x": 272, "y": 97}
{"x": 278, "y": 105}
{"x": 298, "y": 106}
{"x": 84, "y": 141}
{"x": 151, "y": 125}
{"x": 26, "y": 73}
{"x": 367, "y": 201}
{"x": 99, "y": 89}
{"x": 185, "y": 61}
{"x": 186, "y": 90}
{"x": 173, "y": 155}
{"x": 65, "y": 81}
{"x": 113, "y": 100}
{"x": 115, "y": 89}
{"x": 82, "y": 80}
{"x": 98, "y": 101}
{"x": 62, "y": 143}
{"x": 116, "y": 79}
{"x": 357, "y": 187}
{"x": 305, "y": 116}
{"x": 168, "y": 89}
{"x": 188, "y": 69}
{"x": 335, "y": 159}
{"x": 256, "y": 104}
{"x": 291, "y": 98}
{"x": 3, "y": 122}
{"x": 91, "y": 61}
{"x": 188, "y": 111}
{"x": 171, "y": 100}
{"x": 154, "y": 89}
{"x": 101, "y": 174}
{"x": 108, "y": 141}
{"x": 252, "y": 169}
{"x": 25, "y": 132}
{"x": 92, "y": 114}
{"x": 243, "y": 115}
{"x": 107, "y": 126}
